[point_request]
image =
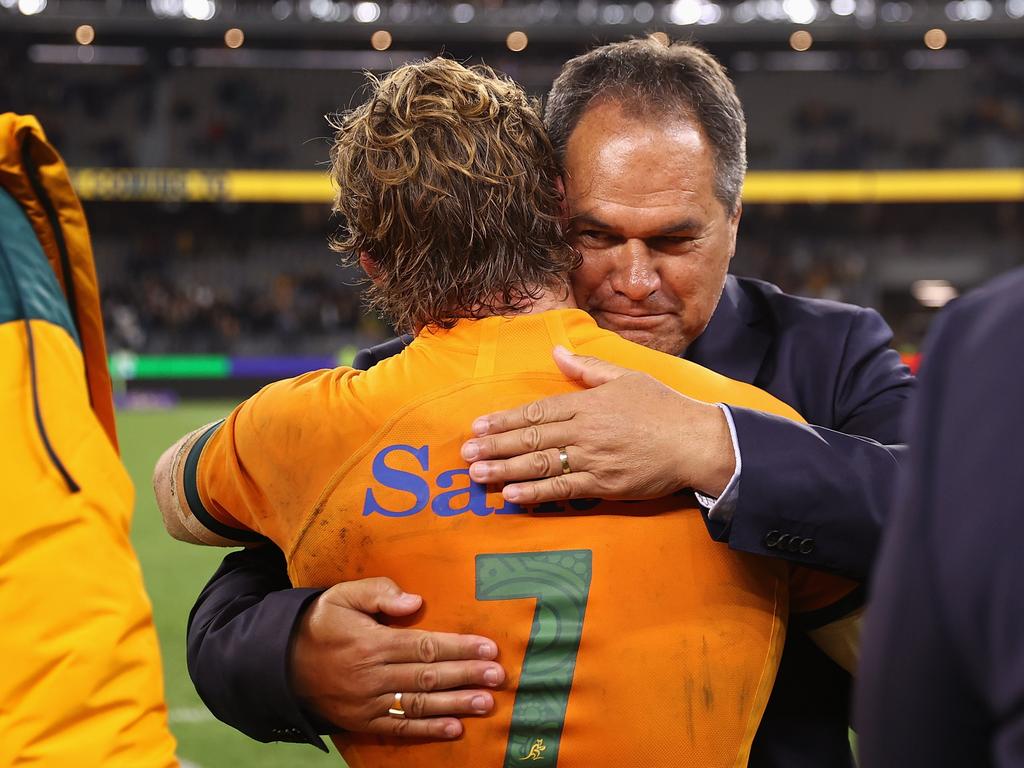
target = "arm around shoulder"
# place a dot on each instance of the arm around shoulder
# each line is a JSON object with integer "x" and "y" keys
{"x": 239, "y": 636}
{"x": 819, "y": 494}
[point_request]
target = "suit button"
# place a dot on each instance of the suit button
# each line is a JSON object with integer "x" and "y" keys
{"x": 794, "y": 544}
{"x": 771, "y": 539}
{"x": 806, "y": 546}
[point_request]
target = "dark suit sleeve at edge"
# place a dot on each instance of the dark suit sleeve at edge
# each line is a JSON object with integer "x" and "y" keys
{"x": 834, "y": 485}
{"x": 238, "y": 636}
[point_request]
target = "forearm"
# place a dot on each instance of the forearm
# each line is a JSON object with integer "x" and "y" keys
{"x": 809, "y": 494}
{"x": 238, "y": 640}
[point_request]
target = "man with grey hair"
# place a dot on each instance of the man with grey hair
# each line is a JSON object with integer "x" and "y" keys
{"x": 652, "y": 141}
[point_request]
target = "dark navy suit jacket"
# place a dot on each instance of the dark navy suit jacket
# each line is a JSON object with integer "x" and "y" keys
{"x": 942, "y": 671}
{"x": 814, "y": 495}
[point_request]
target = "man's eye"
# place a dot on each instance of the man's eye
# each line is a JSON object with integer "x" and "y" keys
{"x": 675, "y": 241}
{"x": 594, "y": 235}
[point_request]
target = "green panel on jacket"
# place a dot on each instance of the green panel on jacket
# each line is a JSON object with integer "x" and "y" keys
{"x": 28, "y": 287}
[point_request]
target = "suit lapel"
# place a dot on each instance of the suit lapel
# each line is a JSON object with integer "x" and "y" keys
{"x": 736, "y": 340}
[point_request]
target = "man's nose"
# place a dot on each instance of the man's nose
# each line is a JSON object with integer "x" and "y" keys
{"x": 636, "y": 277}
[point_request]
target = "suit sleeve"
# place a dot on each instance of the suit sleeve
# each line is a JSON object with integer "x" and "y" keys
{"x": 943, "y": 665}
{"x": 826, "y": 487}
{"x": 238, "y": 637}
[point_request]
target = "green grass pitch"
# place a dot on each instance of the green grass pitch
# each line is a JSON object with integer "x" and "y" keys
{"x": 175, "y": 573}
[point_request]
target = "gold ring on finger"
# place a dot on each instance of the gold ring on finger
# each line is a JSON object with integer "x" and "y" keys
{"x": 563, "y": 456}
{"x": 396, "y": 707}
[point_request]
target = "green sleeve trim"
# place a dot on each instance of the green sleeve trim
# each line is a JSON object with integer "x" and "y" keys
{"x": 195, "y": 501}
{"x": 28, "y": 289}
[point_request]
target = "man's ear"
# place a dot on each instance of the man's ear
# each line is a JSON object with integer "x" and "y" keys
{"x": 563, "y": 208}
{"x": 734, "y": 225}
{"x": 369, "y": 265}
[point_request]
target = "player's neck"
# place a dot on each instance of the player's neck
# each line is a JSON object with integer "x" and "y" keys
{"x": 548, "y": 299}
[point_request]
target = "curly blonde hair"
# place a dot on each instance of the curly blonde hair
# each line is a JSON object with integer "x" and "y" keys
{"x": 446, "y": 177}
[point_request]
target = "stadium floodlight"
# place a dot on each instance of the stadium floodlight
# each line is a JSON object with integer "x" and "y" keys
{"x": 801, "y": 11}
{"x": 1015, "y": 9}
{"x": 166, "y": 8}
{"x": 321, "y": 9}
{"x": 200, "y": 10}
{"x": 366, "y": 12}
{"x": 978, "y": 10}
{"x": 933, "y": 293}
{"x": 517, "y": 41}
{"x": 31, "y": 7}
{"x": 896, "y": 12}
{"x": 710, "y": 14}
{"x": 643, "y": 12}
{"x": 771, "y": 10}
{"x": 745, "y": 12}
{"x": 8, "y": 3}
{"x": 844, "y": 7}
{"x": 463, "y": 13}
{"x": 613, "y": 14}
{"x": 281, "y": 10}
{"x": 685, "y": 12}
{"x": 969, "y": 10}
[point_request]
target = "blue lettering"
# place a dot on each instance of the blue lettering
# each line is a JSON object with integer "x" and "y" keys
{"x": 476, "y": 494}
{"x": 510, "y": 509}
{"x": 399, "y": 480}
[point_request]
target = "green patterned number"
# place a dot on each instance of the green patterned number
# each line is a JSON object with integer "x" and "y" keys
{"x": 560, "y": 581}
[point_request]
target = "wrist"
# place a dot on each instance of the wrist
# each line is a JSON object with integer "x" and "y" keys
{"x": 719, "y": 457}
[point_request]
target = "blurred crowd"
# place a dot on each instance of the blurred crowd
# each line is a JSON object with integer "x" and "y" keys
{"x": 876, "y": 109}
{"x": 296, "y": 313}
{"x": 260, "y": 279}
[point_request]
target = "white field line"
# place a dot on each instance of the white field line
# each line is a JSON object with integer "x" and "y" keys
{"x": 189, "y": 715}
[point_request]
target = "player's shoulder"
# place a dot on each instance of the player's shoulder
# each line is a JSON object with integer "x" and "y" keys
{"x": 684, "y": 376}
{"x": 306, "y": 397}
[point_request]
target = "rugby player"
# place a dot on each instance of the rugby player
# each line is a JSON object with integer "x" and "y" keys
{"x": 632, "y": 639}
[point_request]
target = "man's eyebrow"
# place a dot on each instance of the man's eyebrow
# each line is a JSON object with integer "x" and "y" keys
{"x": 591, "y": 220}
{"x": 683, "y": 225}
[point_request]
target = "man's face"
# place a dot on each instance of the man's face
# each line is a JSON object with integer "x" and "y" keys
{"x": 656, "y": 242}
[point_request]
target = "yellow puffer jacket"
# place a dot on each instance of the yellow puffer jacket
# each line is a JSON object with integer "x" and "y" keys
{"x": 80, "y": 677}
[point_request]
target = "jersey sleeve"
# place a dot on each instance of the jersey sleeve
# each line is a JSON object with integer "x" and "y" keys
{"x": 254, "y": 476}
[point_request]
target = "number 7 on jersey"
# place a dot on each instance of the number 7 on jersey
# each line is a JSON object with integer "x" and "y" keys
{"x": 560, "y": 580}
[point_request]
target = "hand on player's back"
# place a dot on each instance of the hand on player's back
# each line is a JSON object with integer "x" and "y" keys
{"x": 346, "y": 666}
{"x": 626, "y": 437}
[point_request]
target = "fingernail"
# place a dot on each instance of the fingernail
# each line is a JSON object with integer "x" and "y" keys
{"x": 560, "y": 350}
{"x": 486, "y": 650}
{"x": 451, "y": 730}
{"x": 479, "y": 703}
{"x": 491, "y": 677}
{"x": 470, "y": 450}
{"x": 512, "y": 494}
{"x": 480, "y": 427}
{"x": 408, "y": 599}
